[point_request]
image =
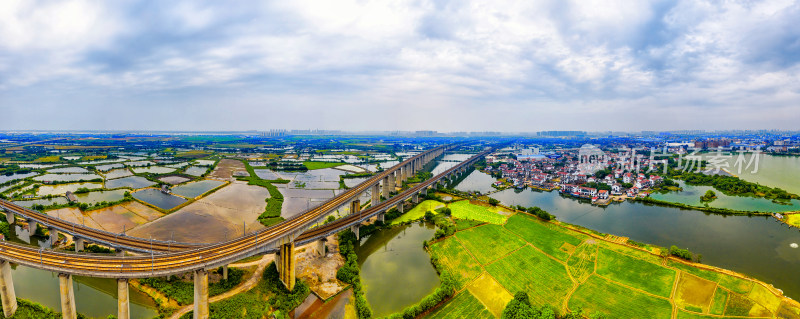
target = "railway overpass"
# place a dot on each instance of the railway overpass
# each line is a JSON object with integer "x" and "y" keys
{"x": 279, "y": 239}
{"x": 81, "y": 234}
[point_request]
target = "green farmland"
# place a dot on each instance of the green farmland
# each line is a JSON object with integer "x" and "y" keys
{"x": 571, "y": 270}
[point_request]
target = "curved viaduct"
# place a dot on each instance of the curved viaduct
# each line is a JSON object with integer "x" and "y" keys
{"x": 280, "y": 239}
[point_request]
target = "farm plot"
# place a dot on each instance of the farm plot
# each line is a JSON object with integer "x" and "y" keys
{"x": 635, "y": 272}
{"x": 688, "y": 315}
{"x": 457, "y": 259}
{"x": 489, "y": 242}
{"x": 463, "y": 305}
{"x": 547, "y": 237}
{"x": 527, "y": 269}
{"x": 581, "y": 263}
{"x": 490, "y": 293}
{"x": 465, "y": 210}
{"x": 600, "y": 295}
{"x": 737, "y": 285}
{"x": 694, "y": 293}
{"x": 418, "y": 211}
{"x": 719, "y": 301}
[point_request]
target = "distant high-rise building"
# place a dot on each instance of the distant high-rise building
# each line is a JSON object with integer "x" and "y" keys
{"x": 273, "y": 133}
{"x": 561, "y": 133}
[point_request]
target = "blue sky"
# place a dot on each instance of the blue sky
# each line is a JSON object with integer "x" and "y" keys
{"x": 400, "y": 65}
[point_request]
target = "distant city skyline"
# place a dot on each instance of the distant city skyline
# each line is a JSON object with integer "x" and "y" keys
{"x": 504, "y": 66}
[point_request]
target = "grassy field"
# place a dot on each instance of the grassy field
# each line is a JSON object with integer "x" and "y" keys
{"x": 527, "y": 269}
{"x": 635, "y": 272}
{"x": 463, "y": 305}
{"x": 418, "y": 212}
{"x": 600, "y": 295}
{"x": 731, "y": 283}
{"x": 569, "y": 270}
{"x": 694, "y": 293}
{"x": 490, "y": 293}
{"x": 489, "y": 242}
{"x": 458, "y": 260}
{"x": 719, "y": 301}
{"x": 464, "y": 210}
{"x": 792, "y": 219}
{"x": 48, "y": 159}
{"x": 547, "y": 237}
{"x": 318, "y": 165}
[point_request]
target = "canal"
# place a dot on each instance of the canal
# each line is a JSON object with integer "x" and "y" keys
{"x": 395, "y": 270}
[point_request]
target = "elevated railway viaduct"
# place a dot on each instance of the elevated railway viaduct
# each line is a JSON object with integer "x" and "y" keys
{"x": 169, "y": 258}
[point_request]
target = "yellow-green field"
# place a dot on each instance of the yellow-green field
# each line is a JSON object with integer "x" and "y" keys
{"x": 572, "y": 270}
{"x": 792, "y": 219}
{"x": 418, "y": 212}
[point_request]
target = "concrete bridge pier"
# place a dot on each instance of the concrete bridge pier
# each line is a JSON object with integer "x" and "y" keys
{"x": 7, "y": 292}
{"x": 225, "y": 272}
{"x": 401, "y": 207}
{"x": 67, "y": 297}
{"x": 403, "y": 174}
{"x": 200, "y": 294}
{"x": 415, "y": 198}
{"x": 123, "y": 302}
{"x": 354, "y": 229}
{"x": 79, "y": 242}
{"x": 398, "y": 175}
{"x": 355, "y": 206}
{"x": 10, "y": 218}
{"x": 386, "y": 188}
{"x": 32, "y": 226}
{"x": 381, "y": 217}
{"x": 287, "y": 269}
{"x": 53, "y": 234}
{"x": 319, "y": 246}
{"x": 376, "y": 195}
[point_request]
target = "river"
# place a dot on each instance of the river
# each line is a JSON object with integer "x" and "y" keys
{"x": 395, "y": 270}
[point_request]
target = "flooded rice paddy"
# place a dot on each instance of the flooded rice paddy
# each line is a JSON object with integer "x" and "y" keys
{"x": 153, "y": 170}
{"x": 68, "y": 170}
{"x": 196, "y": 170}
{"x": 117, "y": 173}
{"x": 213, "y": 218}
{"x": 194, "y": 189}
{"x": 134, "y": 182}
{"x": 157, "y": 198}
{"x": 62, "y": 189}
{"x": 66, "y": 177}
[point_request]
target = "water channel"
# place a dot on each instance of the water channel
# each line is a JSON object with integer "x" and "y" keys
{"x": 395, "y": 270}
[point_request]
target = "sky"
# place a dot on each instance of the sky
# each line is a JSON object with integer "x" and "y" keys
{"x": 356, "y": 65}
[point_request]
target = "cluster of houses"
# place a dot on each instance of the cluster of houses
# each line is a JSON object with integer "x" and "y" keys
{"x": 563, "y": 173}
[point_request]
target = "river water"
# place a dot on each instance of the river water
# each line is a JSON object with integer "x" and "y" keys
{"x": 756, "y": 246}
{"x": 395, "y": 270}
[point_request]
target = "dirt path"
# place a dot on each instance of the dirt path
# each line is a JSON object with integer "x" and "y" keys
{"x": 247, "y": 285}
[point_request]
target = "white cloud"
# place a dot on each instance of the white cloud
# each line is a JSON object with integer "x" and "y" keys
{"x": 554, "y": 56}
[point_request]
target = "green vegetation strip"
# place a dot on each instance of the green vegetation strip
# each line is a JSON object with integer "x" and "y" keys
{"x": 272, "y": 213}
{"x": 183, "y": 291}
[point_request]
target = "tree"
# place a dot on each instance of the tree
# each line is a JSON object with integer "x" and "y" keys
{"x": 493, "y": 201}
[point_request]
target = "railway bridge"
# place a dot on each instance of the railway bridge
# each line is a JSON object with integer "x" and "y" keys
{"x": 177, "y": 258}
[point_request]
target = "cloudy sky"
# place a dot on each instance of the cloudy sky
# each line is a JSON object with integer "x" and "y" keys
{"x": 456, "y": 65}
